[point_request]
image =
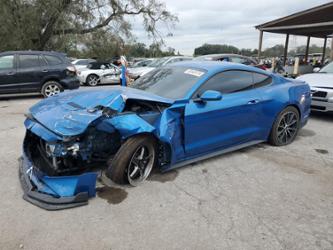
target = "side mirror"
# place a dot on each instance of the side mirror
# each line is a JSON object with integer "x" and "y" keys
{"x": 316, "y": 70}
{"x": 209, "y": 95}
{"x": 103, "y": 67}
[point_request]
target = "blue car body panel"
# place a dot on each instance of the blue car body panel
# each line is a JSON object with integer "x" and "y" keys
{"x": 188, "y": 130}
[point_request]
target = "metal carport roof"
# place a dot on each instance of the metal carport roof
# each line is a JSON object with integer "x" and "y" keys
{"x": 314, "y": 22}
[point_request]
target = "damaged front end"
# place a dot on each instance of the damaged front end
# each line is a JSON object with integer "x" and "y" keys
{"x": 67, "y": 145}
{"x": 59, "y": 174}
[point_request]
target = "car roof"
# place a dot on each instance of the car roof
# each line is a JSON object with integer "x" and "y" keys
{"x": 216, "y": 66}
{"x": 221, "y": 55}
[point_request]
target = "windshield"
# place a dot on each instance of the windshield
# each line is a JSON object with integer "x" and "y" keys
{"x": 159, "y": 62}
{"x": 327, "y": 69}
{"x": 169, "y": 82}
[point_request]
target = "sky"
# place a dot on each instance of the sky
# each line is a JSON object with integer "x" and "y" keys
{"x": 226, "y": 22}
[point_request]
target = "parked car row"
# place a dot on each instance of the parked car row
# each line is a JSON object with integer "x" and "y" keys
{"x": 137, "y": 72}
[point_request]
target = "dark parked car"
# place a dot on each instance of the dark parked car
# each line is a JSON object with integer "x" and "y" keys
{"x": 232, "y": 58}
{"x": 36, "y": 71}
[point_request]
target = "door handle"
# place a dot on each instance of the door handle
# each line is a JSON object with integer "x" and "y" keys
{"x": 255, "y": 101}
{"x": 45, "y": 70}
{"x": 10, "y": 73}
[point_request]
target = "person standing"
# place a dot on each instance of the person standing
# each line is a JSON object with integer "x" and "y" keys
{"x": 124, "y": 65}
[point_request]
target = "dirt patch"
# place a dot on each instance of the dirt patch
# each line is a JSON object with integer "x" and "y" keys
{"x": 306, "y": 133}
{"x": 163, "y": 177}
{"x": 111, "y": 194}
{"x": 321, "y": 151}
{"x": 286, "y": 160}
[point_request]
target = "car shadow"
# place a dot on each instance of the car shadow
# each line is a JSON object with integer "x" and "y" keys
{"x": 321, "y": 116}
{"x": 19, "y": 96}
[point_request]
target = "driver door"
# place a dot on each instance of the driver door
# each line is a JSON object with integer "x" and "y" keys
{"x": 228, "y": 122}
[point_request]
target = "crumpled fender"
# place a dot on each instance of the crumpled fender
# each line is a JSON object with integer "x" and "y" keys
{"x": 170, "y": 131}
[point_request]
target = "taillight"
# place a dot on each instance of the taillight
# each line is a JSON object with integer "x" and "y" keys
{"x": 263, "y": 67}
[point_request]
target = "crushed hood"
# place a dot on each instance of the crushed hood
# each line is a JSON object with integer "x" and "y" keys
{"x": 319, "y": 80}
{"x": 70, "y": 113}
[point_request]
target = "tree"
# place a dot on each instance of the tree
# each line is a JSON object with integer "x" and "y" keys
{"x": 274, "y": 51}
{"x": 39, "y": 24}
{"x": 215, "y": 49}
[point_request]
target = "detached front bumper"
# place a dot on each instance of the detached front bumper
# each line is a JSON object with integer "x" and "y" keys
{"x": 55, "y": 193}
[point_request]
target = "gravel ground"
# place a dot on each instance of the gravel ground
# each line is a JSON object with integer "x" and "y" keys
{"x": 261, "y": 197}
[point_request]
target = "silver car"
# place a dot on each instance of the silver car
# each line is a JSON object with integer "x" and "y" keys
{"x": 321, "y": 84}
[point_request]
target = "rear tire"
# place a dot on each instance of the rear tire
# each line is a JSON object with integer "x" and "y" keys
{"x": 134, "y": 161}
{"x": 51, "y": 88}
{"x": 285, "y": 127}
{"x": 92, "y": 80}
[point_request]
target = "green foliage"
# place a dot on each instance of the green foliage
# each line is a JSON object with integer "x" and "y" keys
{"x": 215, "y": 49}
{"x": 312, "y": 49}
{"x": 154, "y": 50}
{"x": 275, "y": 51}
{"x": 63, "y": 24}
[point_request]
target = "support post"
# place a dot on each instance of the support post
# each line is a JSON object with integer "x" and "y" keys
{"x": 286, "y": 50}
{"x": 260, "y": 43}
{"x": 332, "y": 48}
{"x": 324, "y": 51}
{"x": 307, "y": 49}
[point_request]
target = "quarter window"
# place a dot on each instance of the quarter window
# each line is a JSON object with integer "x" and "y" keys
{"x": 28, "y": 61}
{"x": 6, "y": 62}
{"x": 53, "y": 60}
{"x": 261, "y": 80}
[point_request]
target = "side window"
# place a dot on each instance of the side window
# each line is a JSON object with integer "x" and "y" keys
{"x": 28, "y": 61}
{"x": 238, "y": 60}
{"x": 223, "y": 59}
{"x": 82, "y": 62}
{"x": 261, "y": 80}
{"x": 53, "y": 60}
{"x": 6, "y": 62}
{"x": 229, "y": 82}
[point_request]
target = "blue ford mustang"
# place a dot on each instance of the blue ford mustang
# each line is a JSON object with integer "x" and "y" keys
{"x": 170, "y": 117}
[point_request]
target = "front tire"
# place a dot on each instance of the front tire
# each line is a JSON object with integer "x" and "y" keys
{"x": 51, "y": 88}
{"x": 92, "y": 80}
{"x": 285, "y": 127}
{"x": 134, "y": 161}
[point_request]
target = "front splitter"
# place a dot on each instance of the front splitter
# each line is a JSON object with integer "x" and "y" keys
{"x": 47, "y": 201}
